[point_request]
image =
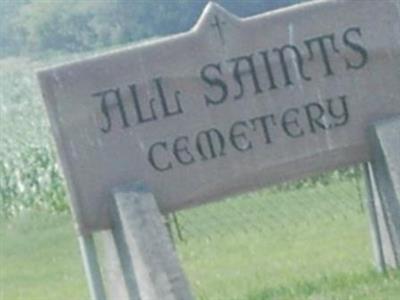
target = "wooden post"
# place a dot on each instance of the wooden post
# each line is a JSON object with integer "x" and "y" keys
{"x": 92, "y": 268}
{"x": 385, "y": 174}
{"x": 145, "y": 246}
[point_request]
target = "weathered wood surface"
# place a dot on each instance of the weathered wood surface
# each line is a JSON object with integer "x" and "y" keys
{"x": 231, "y": 105}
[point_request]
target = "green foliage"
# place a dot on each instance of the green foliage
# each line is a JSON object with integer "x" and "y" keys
{"x": 75, "y": 26}
{"x": 29, "y": 177}
{"x": 9, "y": 42}
{"x": 343, "y": 174}
{"x": 32, "y": 27}
{"x": 56, "y": 25}
{"x": 29, "y": 180}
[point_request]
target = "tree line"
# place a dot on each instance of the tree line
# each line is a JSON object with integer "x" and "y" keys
{"x": 29, "y": 27}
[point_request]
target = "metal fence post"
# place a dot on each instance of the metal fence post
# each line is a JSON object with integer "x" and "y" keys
{"x": 92, "y": 268}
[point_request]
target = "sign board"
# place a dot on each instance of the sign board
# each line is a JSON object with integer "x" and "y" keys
{"x": 229, "y": 106}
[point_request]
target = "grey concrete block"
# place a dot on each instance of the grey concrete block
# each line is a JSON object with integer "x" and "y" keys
{"x": 385, "y": 144}
{"x": 148, "y": 248}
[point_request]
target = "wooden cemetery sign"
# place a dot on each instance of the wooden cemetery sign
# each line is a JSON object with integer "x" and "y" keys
{"x": 231, "y": 105}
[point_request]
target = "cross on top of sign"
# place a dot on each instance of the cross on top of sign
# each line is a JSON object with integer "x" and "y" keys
{"x": 217, "y": 24}
{"x": 216, "y": 18}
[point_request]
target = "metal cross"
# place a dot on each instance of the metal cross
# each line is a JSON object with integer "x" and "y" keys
{"x": 217, "y": 24}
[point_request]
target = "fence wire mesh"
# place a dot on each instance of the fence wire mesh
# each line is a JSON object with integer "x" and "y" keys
{"x": 279, "y": 242}
{"x": 337, "y": 195}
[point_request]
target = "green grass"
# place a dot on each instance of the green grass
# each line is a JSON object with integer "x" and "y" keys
{"x": 293, "y": 246}
{"x": 39, "y": 259}
{"x": 312, "y": 243}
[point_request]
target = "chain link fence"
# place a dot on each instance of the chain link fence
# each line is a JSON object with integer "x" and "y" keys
{"x": 277, "y": 243}
{"x": 332, "y": 196}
